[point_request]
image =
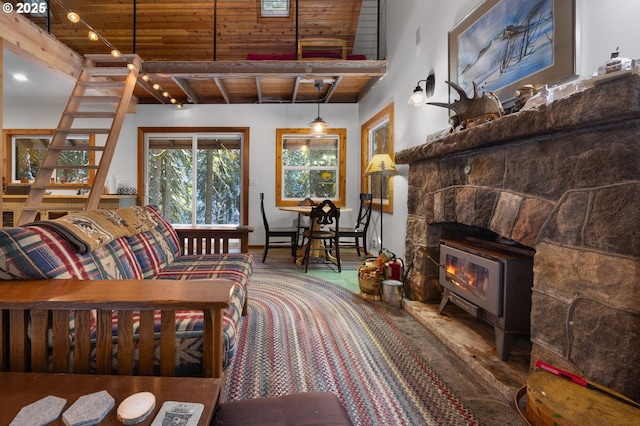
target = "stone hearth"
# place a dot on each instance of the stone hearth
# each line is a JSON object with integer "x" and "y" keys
{"x": 563, "y": 179}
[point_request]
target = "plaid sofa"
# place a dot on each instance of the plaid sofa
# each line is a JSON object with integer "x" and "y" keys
{"x": 35, "y": 251}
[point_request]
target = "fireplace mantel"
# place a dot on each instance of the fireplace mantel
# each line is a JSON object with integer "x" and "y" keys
{"x": 564, "y": 180}
{"x": 609, "y": 102}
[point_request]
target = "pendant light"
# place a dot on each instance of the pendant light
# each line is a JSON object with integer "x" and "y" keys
{"x": 318, "y": 126}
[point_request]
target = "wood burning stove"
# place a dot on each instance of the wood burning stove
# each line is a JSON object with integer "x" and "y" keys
{"x": 490, "y": 281}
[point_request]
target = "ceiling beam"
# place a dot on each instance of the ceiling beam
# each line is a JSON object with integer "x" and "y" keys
{"x": 183, "y": 84}
{"x": 248, "y": 69}
{"x": 295, "y": 90}
{"x": 367, "y": 88}
{"x": 332, "y": 89}
{"x": 155, "y": 93}
{"x": 222, "y": 89}
{"x": 24, "y": 38}
{"x": 259, "y": 89}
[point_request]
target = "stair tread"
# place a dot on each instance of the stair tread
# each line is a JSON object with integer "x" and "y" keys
{"x": 107, "y": 57}
{"x": 70, "y": 167}
{"x": 107, "y": 71}
{"x": 91, "y": 114}
{"x": 86, "y": 131}
{"x": 96, "y": 99}
{"x": 66, "y": 185}
{"x": 51, "y": 209}
{"x": 77, "y": 148}
{"x": 102, "y": 84}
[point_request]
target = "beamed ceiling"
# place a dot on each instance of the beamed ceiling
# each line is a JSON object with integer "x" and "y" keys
{"x": 197, "y": 50}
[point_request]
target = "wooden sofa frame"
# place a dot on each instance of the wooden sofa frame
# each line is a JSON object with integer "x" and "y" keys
{"x": 211, "y": 239}
{"x": 34, "y": 316}
{"x": 29, "y": 310}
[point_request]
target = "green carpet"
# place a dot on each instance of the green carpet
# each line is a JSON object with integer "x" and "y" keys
{"x": 280, "y": 259}
{"x": 345, "y": 279}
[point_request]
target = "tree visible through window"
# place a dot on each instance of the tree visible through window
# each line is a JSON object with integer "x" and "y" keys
{"x": 195, "y": 178}
{"x": 310, "y": 167}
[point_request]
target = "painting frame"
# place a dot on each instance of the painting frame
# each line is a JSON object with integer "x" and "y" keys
{"x": 537, "y": 71}
{"x": 368, "y": 147}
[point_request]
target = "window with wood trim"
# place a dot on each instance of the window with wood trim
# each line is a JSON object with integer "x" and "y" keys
{"x": 310, "y": 167}
{"x": 24, "y": 150}
{"x": 274, "y": 8}
{"x": 196, "y": 176}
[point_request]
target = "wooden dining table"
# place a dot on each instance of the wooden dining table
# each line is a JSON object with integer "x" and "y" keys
{"x": 316, "y": 244}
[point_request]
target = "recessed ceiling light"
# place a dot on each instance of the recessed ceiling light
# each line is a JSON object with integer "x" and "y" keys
{"x": 20, "y": 77}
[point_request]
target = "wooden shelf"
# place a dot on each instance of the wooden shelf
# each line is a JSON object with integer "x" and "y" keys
{"x": 57, "y": 205}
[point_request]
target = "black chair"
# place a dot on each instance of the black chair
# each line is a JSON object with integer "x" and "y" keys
{"x": 322, "y": 234}
{"x": 359, "y": 231}
{"x": 290, "y": 233}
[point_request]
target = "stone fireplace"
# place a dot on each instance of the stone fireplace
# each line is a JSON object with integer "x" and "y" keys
{"x": 562, "y": 179}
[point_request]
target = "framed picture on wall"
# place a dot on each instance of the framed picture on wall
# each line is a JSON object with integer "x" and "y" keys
{"x": 504, "y": 44}
{"x": 377, "y": 138}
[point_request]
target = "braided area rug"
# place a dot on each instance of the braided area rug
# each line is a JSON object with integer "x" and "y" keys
{"x": 306, "y": 334}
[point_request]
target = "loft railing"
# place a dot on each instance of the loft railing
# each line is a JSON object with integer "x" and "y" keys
{"x": 221, "y": 32}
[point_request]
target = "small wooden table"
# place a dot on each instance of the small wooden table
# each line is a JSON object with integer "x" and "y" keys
{"x": 21, "y": 389}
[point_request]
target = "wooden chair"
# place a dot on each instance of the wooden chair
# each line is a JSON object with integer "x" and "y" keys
{"x": 323, "y": 234}
{"x": 359, "y": 231}
{"x": 291, "y": 233}
{"x": 303, "y": 223}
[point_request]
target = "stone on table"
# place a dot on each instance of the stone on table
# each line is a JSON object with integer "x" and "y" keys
{"x": 40, "y": 413}
{"x": 89, "y": 409}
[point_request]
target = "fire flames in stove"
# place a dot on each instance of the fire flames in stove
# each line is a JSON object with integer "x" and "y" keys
{"x": 466, "y": 276}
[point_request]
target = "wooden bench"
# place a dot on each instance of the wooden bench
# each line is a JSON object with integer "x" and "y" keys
{"x": 212, "y": 239}
{"x": 33, "y": 310}
{"x": 323, "y": 44}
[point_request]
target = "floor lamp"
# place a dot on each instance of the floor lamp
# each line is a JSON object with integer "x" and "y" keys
{"x": 381, "y": 165}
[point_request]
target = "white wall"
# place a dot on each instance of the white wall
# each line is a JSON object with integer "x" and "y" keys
{"x": 601, "y": 26}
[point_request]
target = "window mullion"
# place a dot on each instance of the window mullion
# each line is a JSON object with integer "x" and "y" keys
{"x": 194, "y": 180}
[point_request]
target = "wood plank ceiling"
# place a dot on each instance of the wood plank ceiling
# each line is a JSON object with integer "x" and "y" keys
{"x": 197, "y": 50}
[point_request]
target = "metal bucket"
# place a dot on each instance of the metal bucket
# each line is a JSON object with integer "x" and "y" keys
{"x": 392, "y": 293}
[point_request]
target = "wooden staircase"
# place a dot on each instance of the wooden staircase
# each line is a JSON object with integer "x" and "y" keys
{"x": 102, "y": 93}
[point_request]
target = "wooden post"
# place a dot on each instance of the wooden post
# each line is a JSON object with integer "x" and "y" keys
{"x": 1, "y": 129}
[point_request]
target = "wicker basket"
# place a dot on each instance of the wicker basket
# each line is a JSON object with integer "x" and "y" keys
{"x": 369, "y": 280}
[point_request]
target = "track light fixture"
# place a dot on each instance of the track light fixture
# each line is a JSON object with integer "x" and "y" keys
{"x": 93, "y": 35}
{"x": 73, "y": 17}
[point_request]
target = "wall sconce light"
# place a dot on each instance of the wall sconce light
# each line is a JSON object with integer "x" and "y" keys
{"x": 318, "y": 126}
{"x": 419, "y": 95}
